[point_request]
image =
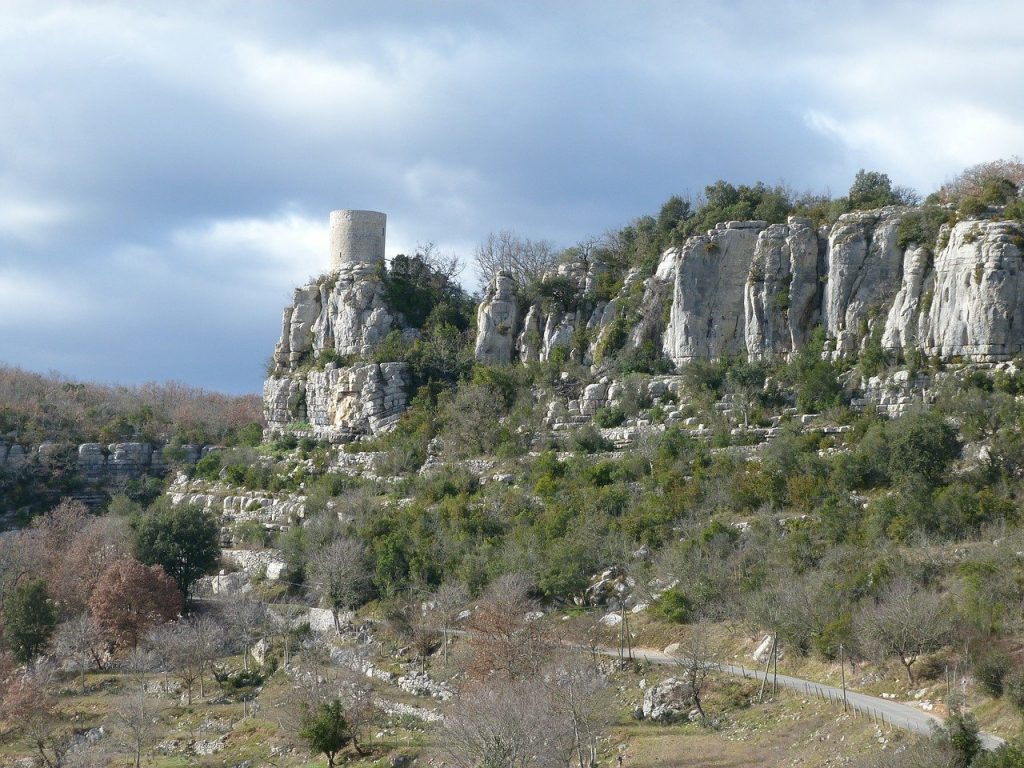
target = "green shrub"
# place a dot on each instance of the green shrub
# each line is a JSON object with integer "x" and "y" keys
{"x": 675, "y": 606}
{"x": 1015, "y": 210}
{"x": 588, "y": 439}
{"x": 971, "y": 206}
{"x": 208, "y": 467}
{"x": 1013, "y": 687}
{"x": 991, "y": 670}
{"x": 612, "y": 416}
{"x": 998, "y": 191}
{"x": 921, "y": 227}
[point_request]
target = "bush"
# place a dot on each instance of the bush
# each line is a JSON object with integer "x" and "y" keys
{"x": 612, "y": 416}
{"x": 208, "y": 467}
{"x": 1015, "y": 210}
{"x": 990, "y": 671}
{"x": 921, "y": 444}
{"x": 971, "y": 206}
{"x": 921, "y": 227}
{"x": 589, "y": 440}
{"x": 675, "y": 606}
{"x": 1013, "y": 687}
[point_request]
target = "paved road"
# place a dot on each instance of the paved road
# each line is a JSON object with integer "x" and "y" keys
{"x": 893, "y": 712}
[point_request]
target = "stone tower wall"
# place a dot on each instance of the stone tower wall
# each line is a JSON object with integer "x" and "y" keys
{"x": 356, "y": 237}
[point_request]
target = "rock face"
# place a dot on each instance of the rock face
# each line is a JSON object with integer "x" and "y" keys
{"x": 782, "y": 296}
{"x": 496, "y": 319}
{"x": 101, "y": 470}
{"x": 340, "y": 316}
{"x": 707, "y": 318}
{"x": 762, "y": 290}
{"x": 345, "y": 314}
{"x": 977, "y": 294}
{"x": 340, "y": 404}
{"x": 864, "y": 268}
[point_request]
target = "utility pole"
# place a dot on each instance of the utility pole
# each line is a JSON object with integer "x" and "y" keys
{"x": 842, "y": 667}
{"x": 775, "y": 668}
{"x": 767, "y": 666}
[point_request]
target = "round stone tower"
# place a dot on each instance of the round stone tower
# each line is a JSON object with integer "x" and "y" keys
{"x": 357, "y": 237}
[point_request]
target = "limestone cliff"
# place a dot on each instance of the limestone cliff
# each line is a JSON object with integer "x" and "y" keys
{"x": 747, "y": 287}
{"x": 744, "y": 287}
{"x": 976, "y": 307}
{"x": 344, "y": 313}
{"x": 707, "y": 318}
{"x": 782, "y": 295}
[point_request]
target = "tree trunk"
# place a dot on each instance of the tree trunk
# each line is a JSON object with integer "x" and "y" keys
{"x": 908, "y": 665}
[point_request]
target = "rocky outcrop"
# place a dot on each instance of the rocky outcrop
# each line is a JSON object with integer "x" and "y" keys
{"x": 340, "y": 404}
{"x": 344, "y": 313}
{"x": 902, "y": 326}
{"x": 864, "y": 270}
{"x": 707, "y": 318}
{"x": 96, "y": 470}
{"x": 966, "y": 301}
{"x": 976, "y": 306}
{"x": 496, "y": 320}
{"x": 782, "y": 296}
{"x": 668, "y": 701}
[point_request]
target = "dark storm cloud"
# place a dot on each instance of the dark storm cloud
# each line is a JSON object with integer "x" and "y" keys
{"x": 166, "y": 169}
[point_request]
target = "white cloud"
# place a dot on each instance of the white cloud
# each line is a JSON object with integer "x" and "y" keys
{"x": 32, "y": 220}
{"x": 278, "y": 250}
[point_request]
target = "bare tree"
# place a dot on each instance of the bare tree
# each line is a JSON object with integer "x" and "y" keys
{"x": 248, "y": 622}
{"x": 446, "y": 605}
{"x": 135, "y": 718}
{"x": 80, "y": 644}
{"x": 505, "y": 640}
{"x": 905, "y": 622}
{"x": 174, "y": 645}
{"x": 696, "y": 660}
{"x": 508, "y": 724}
{"x": 445, "y": 265}
{"x": 524, "y": 260}
{"x": 208, "y": 635}
{"x": 20, "y": 556}
{"x": 25, "y": 699}
{"x": 575, "y": 689}
{"x": 340, "y": 576}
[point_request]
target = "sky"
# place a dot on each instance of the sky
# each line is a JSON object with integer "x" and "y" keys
{"x": 167, "y": 169}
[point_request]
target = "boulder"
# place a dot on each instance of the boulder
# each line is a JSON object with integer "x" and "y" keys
{"x": 667, "y": 702}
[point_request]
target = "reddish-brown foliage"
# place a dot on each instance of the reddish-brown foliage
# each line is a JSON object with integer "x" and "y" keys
{"x": 52, "y": 407}
{"x": 971, "y": 181}
{"x": 131, "y": 597}
{"x": 71, "y": 548}
{"x": 504, "y": 639}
